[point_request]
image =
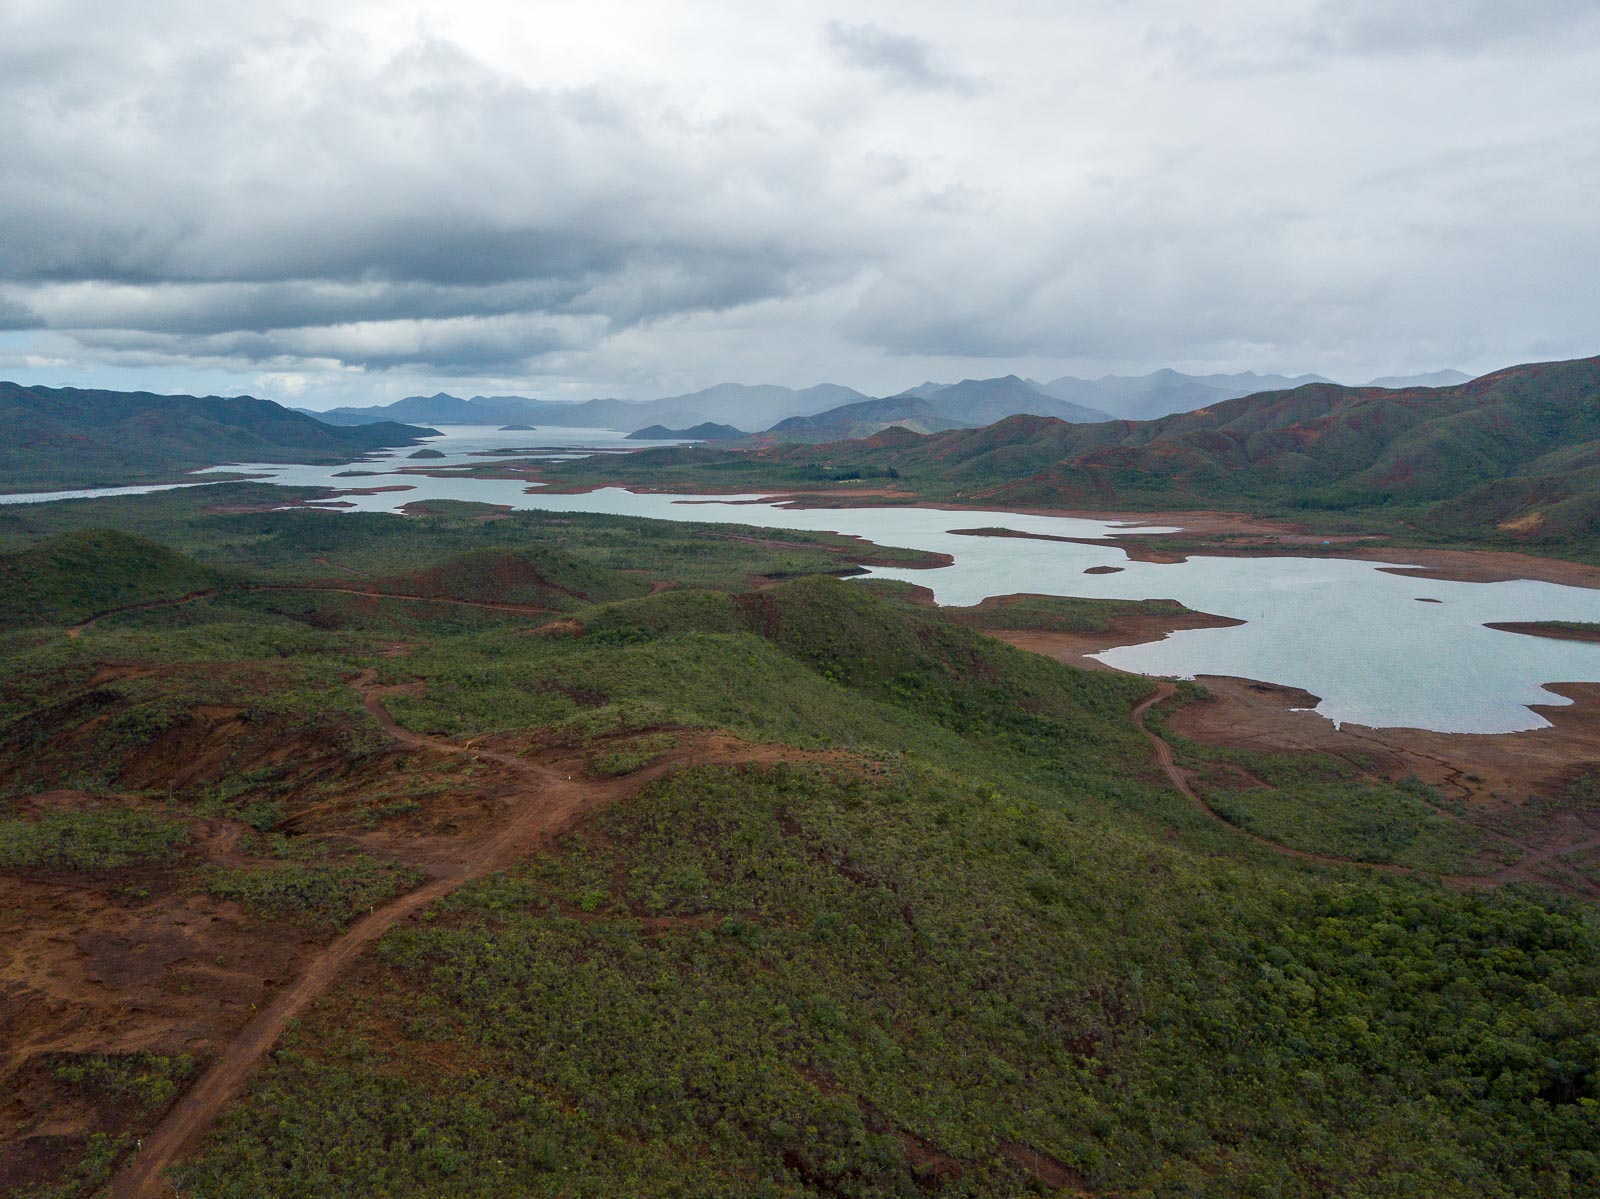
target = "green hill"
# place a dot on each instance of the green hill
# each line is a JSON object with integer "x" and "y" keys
{"x": 856, "y": 901}
{"x": 861, "y": 419}
{"x": 705, "y": 431}
{"x": 1513, "y": 456}
{"x": 67, "y": 437}
{"x": 77, "y": 575}
{"x": 1510, "y": 459}
{"x": 534, "y": 575}
{"x": 963, "y": 947}
{"x": 931, "y": 409}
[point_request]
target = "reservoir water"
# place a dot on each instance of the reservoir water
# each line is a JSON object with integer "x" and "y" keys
{"x": 1363, "y": 639}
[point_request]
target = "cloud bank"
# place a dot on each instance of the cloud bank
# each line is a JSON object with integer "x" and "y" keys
{"x": 349, "y": 203}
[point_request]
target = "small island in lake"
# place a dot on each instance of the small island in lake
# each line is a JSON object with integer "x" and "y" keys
{"x": 706, "y": 431}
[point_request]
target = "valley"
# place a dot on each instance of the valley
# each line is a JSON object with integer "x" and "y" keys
{"x": 1272, "y": 580}
{"x": 577, "y": 840}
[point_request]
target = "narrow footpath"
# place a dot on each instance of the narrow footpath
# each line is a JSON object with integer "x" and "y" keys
{"x": 1521, "y": 870}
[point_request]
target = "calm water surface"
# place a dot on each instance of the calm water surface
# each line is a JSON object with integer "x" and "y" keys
{"x": 1357, "y": 636}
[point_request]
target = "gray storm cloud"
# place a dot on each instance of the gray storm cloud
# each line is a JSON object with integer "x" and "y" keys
{"x": 425, "y": 192}
{"x": 901, "y": 60}
{"x": 582, "y": 203}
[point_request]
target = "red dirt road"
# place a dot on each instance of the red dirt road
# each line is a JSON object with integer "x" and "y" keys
{"x": 551, "y": 803}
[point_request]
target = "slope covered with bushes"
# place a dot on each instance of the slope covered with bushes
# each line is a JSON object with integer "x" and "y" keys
{"x": 67, "y": 437}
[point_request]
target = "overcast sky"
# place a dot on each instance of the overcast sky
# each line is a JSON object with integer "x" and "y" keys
{"x": 331, "y": 203}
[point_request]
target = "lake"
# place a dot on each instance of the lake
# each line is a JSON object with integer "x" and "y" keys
{"x": 1362, "y": 639}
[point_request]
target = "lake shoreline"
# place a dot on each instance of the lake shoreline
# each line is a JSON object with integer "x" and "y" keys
{"x": 1282, "y": 582}
{"x": 1247, "y": 535}
{"x": 1225, "y": 533}
{"x": 1538, "y": 628}
{"x": 1493, "y": 774}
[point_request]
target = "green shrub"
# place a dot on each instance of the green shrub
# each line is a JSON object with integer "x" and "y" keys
{"x": 90, "y": 839}
{"x": 330, "y": 892}
{"x": 148, "y": 1080}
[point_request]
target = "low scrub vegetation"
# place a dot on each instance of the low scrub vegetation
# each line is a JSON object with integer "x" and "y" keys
{"x": 312, "y": 882}
{"x": 1324, "y": 805}
{"x": 1061, "y": 614}
{"x": 89, "y": 839}
{"x": 147, "y": 1080}
{"x": 1363, "y": 821}
{"x": 950, "y": 931}
{"x": 769, "y": 992}
{"x": 83, "y": 573}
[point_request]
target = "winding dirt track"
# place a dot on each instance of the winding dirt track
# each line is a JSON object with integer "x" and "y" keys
{"x": 1180, "y": 781}
{"x": 551, "y": 802}
{"x": 1519, "y": 871}
{"x": 77, "y": 630}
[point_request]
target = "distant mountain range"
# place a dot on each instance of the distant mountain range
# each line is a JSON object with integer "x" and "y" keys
{"x": 1514, "y": 454}
{"x": 931, "y": 408}
{"x": 972, "y": 403}
{"x": 66, "y": 437}
{"x": 862, "y": 419}
{"x": 826, "y": 412}
{"x": 1160, "y": 393}
{"x": 1164, "y": 392}
{"x": 1433, "y": 379}
{"x": 829, "y": 412}
{"x": 738, "y": 404}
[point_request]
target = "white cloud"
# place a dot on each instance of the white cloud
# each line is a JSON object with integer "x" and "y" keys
{"x": 634, "y": 200}
{"x": 284, "y": 384}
